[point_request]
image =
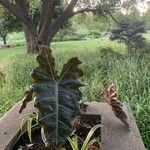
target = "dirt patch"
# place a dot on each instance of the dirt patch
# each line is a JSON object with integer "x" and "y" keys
{"x": 82, "y": 128}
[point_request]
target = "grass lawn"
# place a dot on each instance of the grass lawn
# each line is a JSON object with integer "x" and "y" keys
{"x": 68, "y": 45}
{"x": 5, "y": 53}
{"x": 130, "y": 75}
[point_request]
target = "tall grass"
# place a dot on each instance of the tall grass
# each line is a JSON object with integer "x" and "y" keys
{"x": 16, "y": 80}
{"x": 130, "y": 75}
{"x": 132, "y": 79}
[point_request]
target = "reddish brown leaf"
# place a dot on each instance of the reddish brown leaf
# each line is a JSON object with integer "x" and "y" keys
{"x": 26, "y": 99}
{"x": 110, "y": 96}
{"x": 92, "y": 147}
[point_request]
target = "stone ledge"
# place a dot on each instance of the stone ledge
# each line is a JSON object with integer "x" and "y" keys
{"x": 10, "y": 125}
{"x": 114, "y": 135}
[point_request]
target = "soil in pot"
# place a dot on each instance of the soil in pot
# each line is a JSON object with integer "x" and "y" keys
{"x": 82, "y": 128}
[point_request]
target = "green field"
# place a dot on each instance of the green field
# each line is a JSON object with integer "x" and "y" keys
{"x": 130, "y": 75}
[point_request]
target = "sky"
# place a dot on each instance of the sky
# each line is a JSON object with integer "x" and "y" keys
{"x": 143, "y": 6}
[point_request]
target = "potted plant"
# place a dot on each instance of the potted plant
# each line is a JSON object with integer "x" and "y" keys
{"x": 56, "y": 97}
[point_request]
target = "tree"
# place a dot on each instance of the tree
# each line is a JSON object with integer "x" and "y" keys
{"x": 8, "y": 23}
{"x": 130, "y": 35}
{"x": 3, "y": 29}
{"x": 49, "y": 21}
{"x": 131, "y": 17}
{"x": 146, "y": 18}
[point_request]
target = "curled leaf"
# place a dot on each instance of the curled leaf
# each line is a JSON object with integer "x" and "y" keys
{"x": 26, "y": 99}
{"x": 110, "y": 96}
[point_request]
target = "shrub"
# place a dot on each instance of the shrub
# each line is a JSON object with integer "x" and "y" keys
{"x": 72, "y": 35}
{"x": 130, "y": 35}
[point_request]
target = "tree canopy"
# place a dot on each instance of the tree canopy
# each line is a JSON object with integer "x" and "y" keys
{"x": 8, "y": 23}
{"x": 130, "y": 35}
{"x": 42, "y": 27}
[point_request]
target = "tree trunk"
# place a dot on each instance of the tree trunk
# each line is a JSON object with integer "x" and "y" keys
{"x": 27, "y": 39}
{"x": 30, "y": 40}
{"x": 4, "y": 40}
{"x": 55, "y": 26}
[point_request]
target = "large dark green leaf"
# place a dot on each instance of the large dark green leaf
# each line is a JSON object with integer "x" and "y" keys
{"x": 56, "y": 96}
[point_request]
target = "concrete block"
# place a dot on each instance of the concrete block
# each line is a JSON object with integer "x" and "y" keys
{"x": 114, "y": 134}
{"x": 10, "y": 125}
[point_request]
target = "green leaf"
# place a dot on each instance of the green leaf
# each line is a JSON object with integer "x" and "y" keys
{"x": 87, "y": 140}
{"x": 93, "y": 141}
{"x": 73, "y": 142}
{"x": 43, "y": 137}
{"x": 29, "y": 128}
{"x": 46, "y": 64}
